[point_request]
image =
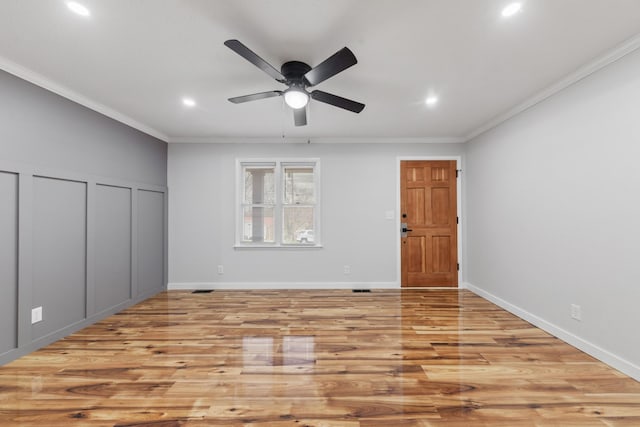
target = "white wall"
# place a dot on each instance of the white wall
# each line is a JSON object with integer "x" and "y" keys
{"x": 358, "y": 184}
{"x": 552, "y": 214}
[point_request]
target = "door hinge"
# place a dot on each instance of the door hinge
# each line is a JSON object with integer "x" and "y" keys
{"x": 457, "y": 220}
{"x": 458, "y": 266}
{"x": 458, "y": 172}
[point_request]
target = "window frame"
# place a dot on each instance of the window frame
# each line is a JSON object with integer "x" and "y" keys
{"x": 279, "y": 164}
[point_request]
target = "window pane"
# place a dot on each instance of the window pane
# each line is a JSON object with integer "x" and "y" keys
{"x": 298, "y": 186}
{"x": 297, "y": 224}
{"x": 258, "y": 225}
{"x": 259, "y": 186}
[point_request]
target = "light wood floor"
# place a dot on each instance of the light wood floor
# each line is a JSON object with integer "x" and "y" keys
{"x": 314, "y": 358}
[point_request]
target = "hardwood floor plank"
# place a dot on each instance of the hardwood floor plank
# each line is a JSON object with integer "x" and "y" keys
{"x": 393, "y": 358}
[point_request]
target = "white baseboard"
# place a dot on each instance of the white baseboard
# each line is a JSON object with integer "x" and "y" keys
{"x": 591, "y": 349}
{"x": 281, "y": 285}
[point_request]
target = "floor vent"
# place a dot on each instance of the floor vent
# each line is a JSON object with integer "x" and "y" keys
{"x": 202, "y": 291}
{"x": 360, "y": 290}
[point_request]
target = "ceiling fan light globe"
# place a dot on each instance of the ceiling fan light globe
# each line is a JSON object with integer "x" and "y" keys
{"x": 296, "y": 98}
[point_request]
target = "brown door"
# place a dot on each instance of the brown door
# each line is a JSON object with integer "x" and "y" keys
{"x": 428, "y": 207}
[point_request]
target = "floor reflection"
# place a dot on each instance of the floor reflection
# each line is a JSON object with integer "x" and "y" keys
{"x": 288, "y": 350}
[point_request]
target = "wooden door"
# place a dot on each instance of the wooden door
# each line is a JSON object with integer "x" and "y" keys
{"x": 429, "y": 208}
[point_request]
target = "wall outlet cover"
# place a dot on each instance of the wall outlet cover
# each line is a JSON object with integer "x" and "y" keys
{"x": 576, "y": 312}
{"x": 36, "y": 315}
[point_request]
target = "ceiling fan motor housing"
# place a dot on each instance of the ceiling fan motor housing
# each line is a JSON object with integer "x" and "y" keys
{"x": 294, "y": 72}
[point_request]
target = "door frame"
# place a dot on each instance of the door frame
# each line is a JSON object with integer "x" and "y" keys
{"x": 459, "y": 209}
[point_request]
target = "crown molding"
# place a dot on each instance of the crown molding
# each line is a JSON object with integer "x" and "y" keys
{"x": 623, "y": 49}
{"x": 45, "y": 83}
{"x": 316, "y": 140}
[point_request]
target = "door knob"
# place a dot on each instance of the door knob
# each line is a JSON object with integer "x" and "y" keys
{"x": 404, "y": 229}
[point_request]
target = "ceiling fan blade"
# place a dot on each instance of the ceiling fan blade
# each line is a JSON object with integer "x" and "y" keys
{"x": 339, "y": 61}
{"x": 337, "y": 101}
{"x": 255, "y": 96}
{"x": 300, "y": 116}
{"x": 250, "y": 56}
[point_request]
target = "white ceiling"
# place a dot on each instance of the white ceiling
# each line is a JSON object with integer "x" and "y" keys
{"x": 135, "y": 60}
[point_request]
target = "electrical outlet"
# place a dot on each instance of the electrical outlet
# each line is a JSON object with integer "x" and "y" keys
{"x": 347, "y": 269}
{"x": 36, "y": 315}
{"x": 220, "y": 269}
{"x": 576, "y": 312}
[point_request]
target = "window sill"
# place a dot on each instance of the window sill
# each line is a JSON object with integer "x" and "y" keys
{"x": 276, "y": 246}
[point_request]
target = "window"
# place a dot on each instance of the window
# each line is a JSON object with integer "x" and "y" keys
{"x": 278, "y": 203}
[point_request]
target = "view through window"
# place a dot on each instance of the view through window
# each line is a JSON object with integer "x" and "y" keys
{"x": 279, "y": 203}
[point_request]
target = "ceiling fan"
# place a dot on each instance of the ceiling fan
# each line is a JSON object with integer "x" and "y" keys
{"x": 298, "y": 76}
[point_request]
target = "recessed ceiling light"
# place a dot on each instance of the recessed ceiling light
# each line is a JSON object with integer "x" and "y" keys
{"x": 188, "y": 102}
{"x": 511, "y": 9}
{"x": 78, "y": 9}
{"x": 431, "y": 100}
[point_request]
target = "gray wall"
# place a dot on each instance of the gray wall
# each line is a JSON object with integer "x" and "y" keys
{"x": 359, "y": 185}
{"x": 151, "y": 237}
{"x": 44, "y": 130}
{"x": 553, "y": 201}
{"x": 113, "y": 246}
{"x": 8, "y": 261}
{"x": 59, "y": 253}
{"x": 80, "y": 235}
